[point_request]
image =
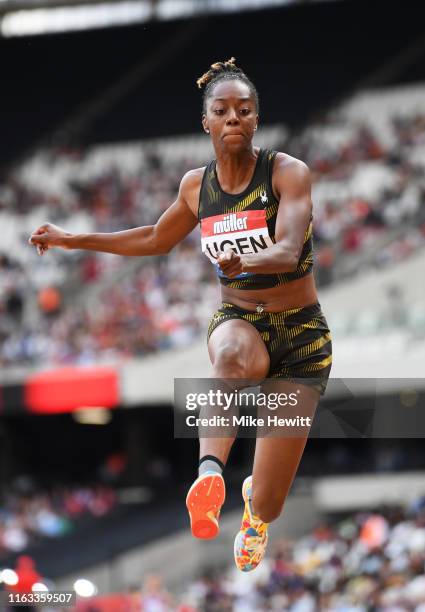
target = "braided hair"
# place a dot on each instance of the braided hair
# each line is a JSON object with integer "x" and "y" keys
{"x": 221, "y": 71}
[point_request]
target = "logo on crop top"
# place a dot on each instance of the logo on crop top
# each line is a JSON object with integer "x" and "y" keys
{"x": 230, "y": 223}
{"x": 264, "y": 198}
{"x": 244, "y": 232}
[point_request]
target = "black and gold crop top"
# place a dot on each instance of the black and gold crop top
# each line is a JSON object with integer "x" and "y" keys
{"x": 246, "y": 223}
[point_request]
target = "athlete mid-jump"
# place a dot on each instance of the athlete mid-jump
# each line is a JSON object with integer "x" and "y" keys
{"x": 255, "y": 212}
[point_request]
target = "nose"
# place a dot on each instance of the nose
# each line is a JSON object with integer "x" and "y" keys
{"x": 232, "y": 117}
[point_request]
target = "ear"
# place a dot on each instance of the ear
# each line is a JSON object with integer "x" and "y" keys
{"x": 256, "y": 122}
{"x": 205, "y": 124}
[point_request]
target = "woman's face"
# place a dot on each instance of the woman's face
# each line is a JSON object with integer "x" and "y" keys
{"x": 231, "y": 116}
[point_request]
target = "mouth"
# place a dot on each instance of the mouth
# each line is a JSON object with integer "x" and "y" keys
{"x": 233, "y": 134}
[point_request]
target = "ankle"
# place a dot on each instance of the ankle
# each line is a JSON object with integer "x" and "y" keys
{"x": 210, "y": 463}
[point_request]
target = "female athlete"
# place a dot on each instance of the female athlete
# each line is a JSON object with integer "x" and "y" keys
{"x": 255, "y": 212}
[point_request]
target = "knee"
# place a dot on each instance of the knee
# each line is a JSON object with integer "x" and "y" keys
{"x": 267, "y": 508}
{"x": 232, "y": 361}
{"x": 229, "y": 363}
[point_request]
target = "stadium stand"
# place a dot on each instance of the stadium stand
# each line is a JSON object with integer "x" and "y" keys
{"x": 350, "y": 562}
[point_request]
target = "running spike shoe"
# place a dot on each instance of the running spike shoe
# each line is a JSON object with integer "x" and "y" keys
{"x": 204, "y": 500}
{"x": 251, "y": 541}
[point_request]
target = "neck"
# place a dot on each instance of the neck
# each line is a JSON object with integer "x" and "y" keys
{"x": 235, "y": 170}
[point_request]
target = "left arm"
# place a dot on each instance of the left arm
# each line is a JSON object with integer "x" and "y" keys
{"x": 292, "y": 183}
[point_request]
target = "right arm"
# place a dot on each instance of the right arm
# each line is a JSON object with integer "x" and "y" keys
{"x": 170, "y": 229}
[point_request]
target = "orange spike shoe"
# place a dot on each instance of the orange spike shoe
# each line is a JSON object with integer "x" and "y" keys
{"x": 204, "y": 500}
{"x": 251, "y": 541}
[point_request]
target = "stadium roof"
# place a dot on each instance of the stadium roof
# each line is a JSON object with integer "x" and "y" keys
{"x": 30, "y": 17}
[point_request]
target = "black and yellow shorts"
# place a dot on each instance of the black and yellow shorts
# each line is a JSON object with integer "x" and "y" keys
{"x": 298, "y": 341}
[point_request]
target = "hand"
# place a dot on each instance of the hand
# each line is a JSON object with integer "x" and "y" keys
{"x": 48, "y": 236}
{"x": 230, "y": 263}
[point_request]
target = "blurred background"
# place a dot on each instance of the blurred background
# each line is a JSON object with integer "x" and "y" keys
{"x": 100, "y": 118}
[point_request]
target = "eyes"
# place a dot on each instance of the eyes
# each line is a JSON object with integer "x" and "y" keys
{"x": 221, "y": 111}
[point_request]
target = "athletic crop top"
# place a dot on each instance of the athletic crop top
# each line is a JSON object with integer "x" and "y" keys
{"x": 246, "y": 223}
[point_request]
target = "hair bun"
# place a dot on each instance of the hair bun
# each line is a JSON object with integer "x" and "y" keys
{"x": 216, "y": 69}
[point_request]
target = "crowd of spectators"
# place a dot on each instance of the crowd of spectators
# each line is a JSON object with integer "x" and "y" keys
{"x": 355, "y": 220}
{"x": 368, "y": 561}
{"x": 165, "y": 302}
{"x": 161, "y": 304}
{"x": 28, "y": 514}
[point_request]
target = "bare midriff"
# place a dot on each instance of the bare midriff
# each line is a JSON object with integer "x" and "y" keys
{"x": 296, "y": 294}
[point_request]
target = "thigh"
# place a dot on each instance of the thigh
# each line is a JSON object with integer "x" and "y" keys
{"x": 279, "y": 448}
{"x": 238, "y": 339}
{"x": 303, "y": 349}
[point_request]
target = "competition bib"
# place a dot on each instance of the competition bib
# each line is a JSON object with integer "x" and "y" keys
{"x": 245, "y": 232}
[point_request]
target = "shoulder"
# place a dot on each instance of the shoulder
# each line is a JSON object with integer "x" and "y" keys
{"x": 192, "y": 179}
{"x": 286, "y": 165}
{"x": 290, "y": 174}
{"x": 190, "y": 188}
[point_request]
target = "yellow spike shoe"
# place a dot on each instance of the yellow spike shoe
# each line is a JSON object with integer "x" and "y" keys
{"x": 251, "y": 541}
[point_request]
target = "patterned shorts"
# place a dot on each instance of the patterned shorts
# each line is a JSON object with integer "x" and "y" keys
{"x": 298, "y": 341}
